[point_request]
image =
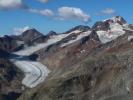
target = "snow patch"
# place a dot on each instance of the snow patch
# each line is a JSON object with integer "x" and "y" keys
{"x": 126, "y": 27}
{"x": 116, "y": 27}
{"x": 80, "y": 36}
{"x": 29, "y": 50}
{"x": 76, "y": 31}
{"x": 82, "y": 51}
{"x": 20, "y": 42}
{"x": 130, "y": 38}
{"x": 107, "y": 36}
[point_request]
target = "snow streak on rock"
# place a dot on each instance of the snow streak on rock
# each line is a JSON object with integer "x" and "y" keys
{"x": 80, "y": 36}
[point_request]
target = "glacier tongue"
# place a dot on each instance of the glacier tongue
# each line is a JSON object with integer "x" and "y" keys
{"x": 35, "y": 72}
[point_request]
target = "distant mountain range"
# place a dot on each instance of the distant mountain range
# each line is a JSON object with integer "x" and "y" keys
{"x": 83, "y": 63}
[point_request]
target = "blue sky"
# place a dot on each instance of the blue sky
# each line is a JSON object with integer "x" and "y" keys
{"x": 58, "y": 15}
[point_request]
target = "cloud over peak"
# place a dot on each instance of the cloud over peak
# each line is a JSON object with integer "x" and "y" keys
{"x": 108, "y": 11}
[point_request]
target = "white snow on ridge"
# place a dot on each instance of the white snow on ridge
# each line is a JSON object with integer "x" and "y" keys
{"x": 54, "y": 39}
{"x": 130, "y": 38}
{"x": 116, "y": 27}
{"x": 80, "y": 36}
{"x": 126, "y": 27}
{"x": 114, "y": 19}
{"x": 32, "y": 49}
{"x": 76, "y": 31}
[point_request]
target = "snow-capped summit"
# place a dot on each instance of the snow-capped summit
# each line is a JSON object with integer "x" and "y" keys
{"x": 110, "y": 29}
{"x": 116, "y": 19}
{"x": 108, "y": 23}
{"x": 119, "y": 19}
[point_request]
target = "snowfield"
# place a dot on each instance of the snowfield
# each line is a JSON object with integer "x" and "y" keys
{"x": 115, "y": 31}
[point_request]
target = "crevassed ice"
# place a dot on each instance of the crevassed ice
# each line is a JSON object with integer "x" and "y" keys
{"x": 35, "y": 72}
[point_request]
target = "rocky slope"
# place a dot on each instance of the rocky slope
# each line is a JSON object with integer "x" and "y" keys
{"x": 10, "y": 80}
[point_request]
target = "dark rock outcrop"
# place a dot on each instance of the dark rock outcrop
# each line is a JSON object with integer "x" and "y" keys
{"x": 10, "y": 80}
{"x": 101, "y": 26}
{"x": 3, "y": 54}
{"x": 80, "y": 27}
{"x": 51, "y": 33}
{"x": 8, "y": 43}
{"x": 32, "y": 36}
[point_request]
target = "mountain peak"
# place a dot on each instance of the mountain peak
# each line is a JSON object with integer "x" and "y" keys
{"x": 31, "y": 32}
{"x": 81, "y": 28}
{"x": 51, "y": 33}
{"x": 116, "y": 19}
{"x": 119, "y": 19}
{"x": 105, "y": 24}
{"x": 30, "y": 35}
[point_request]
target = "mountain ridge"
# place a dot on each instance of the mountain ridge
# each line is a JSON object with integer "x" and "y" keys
{"x": 82, "y": 63}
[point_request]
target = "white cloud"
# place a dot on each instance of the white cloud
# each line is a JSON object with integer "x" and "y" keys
{"x": 18, "y": 31}
{"x": 7, "y": 4}
{"x": 44, "y": 12}
{"x": 108, "y": 11}
{"x": 43, "y": 1}
{"x": 68, "y": 13}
